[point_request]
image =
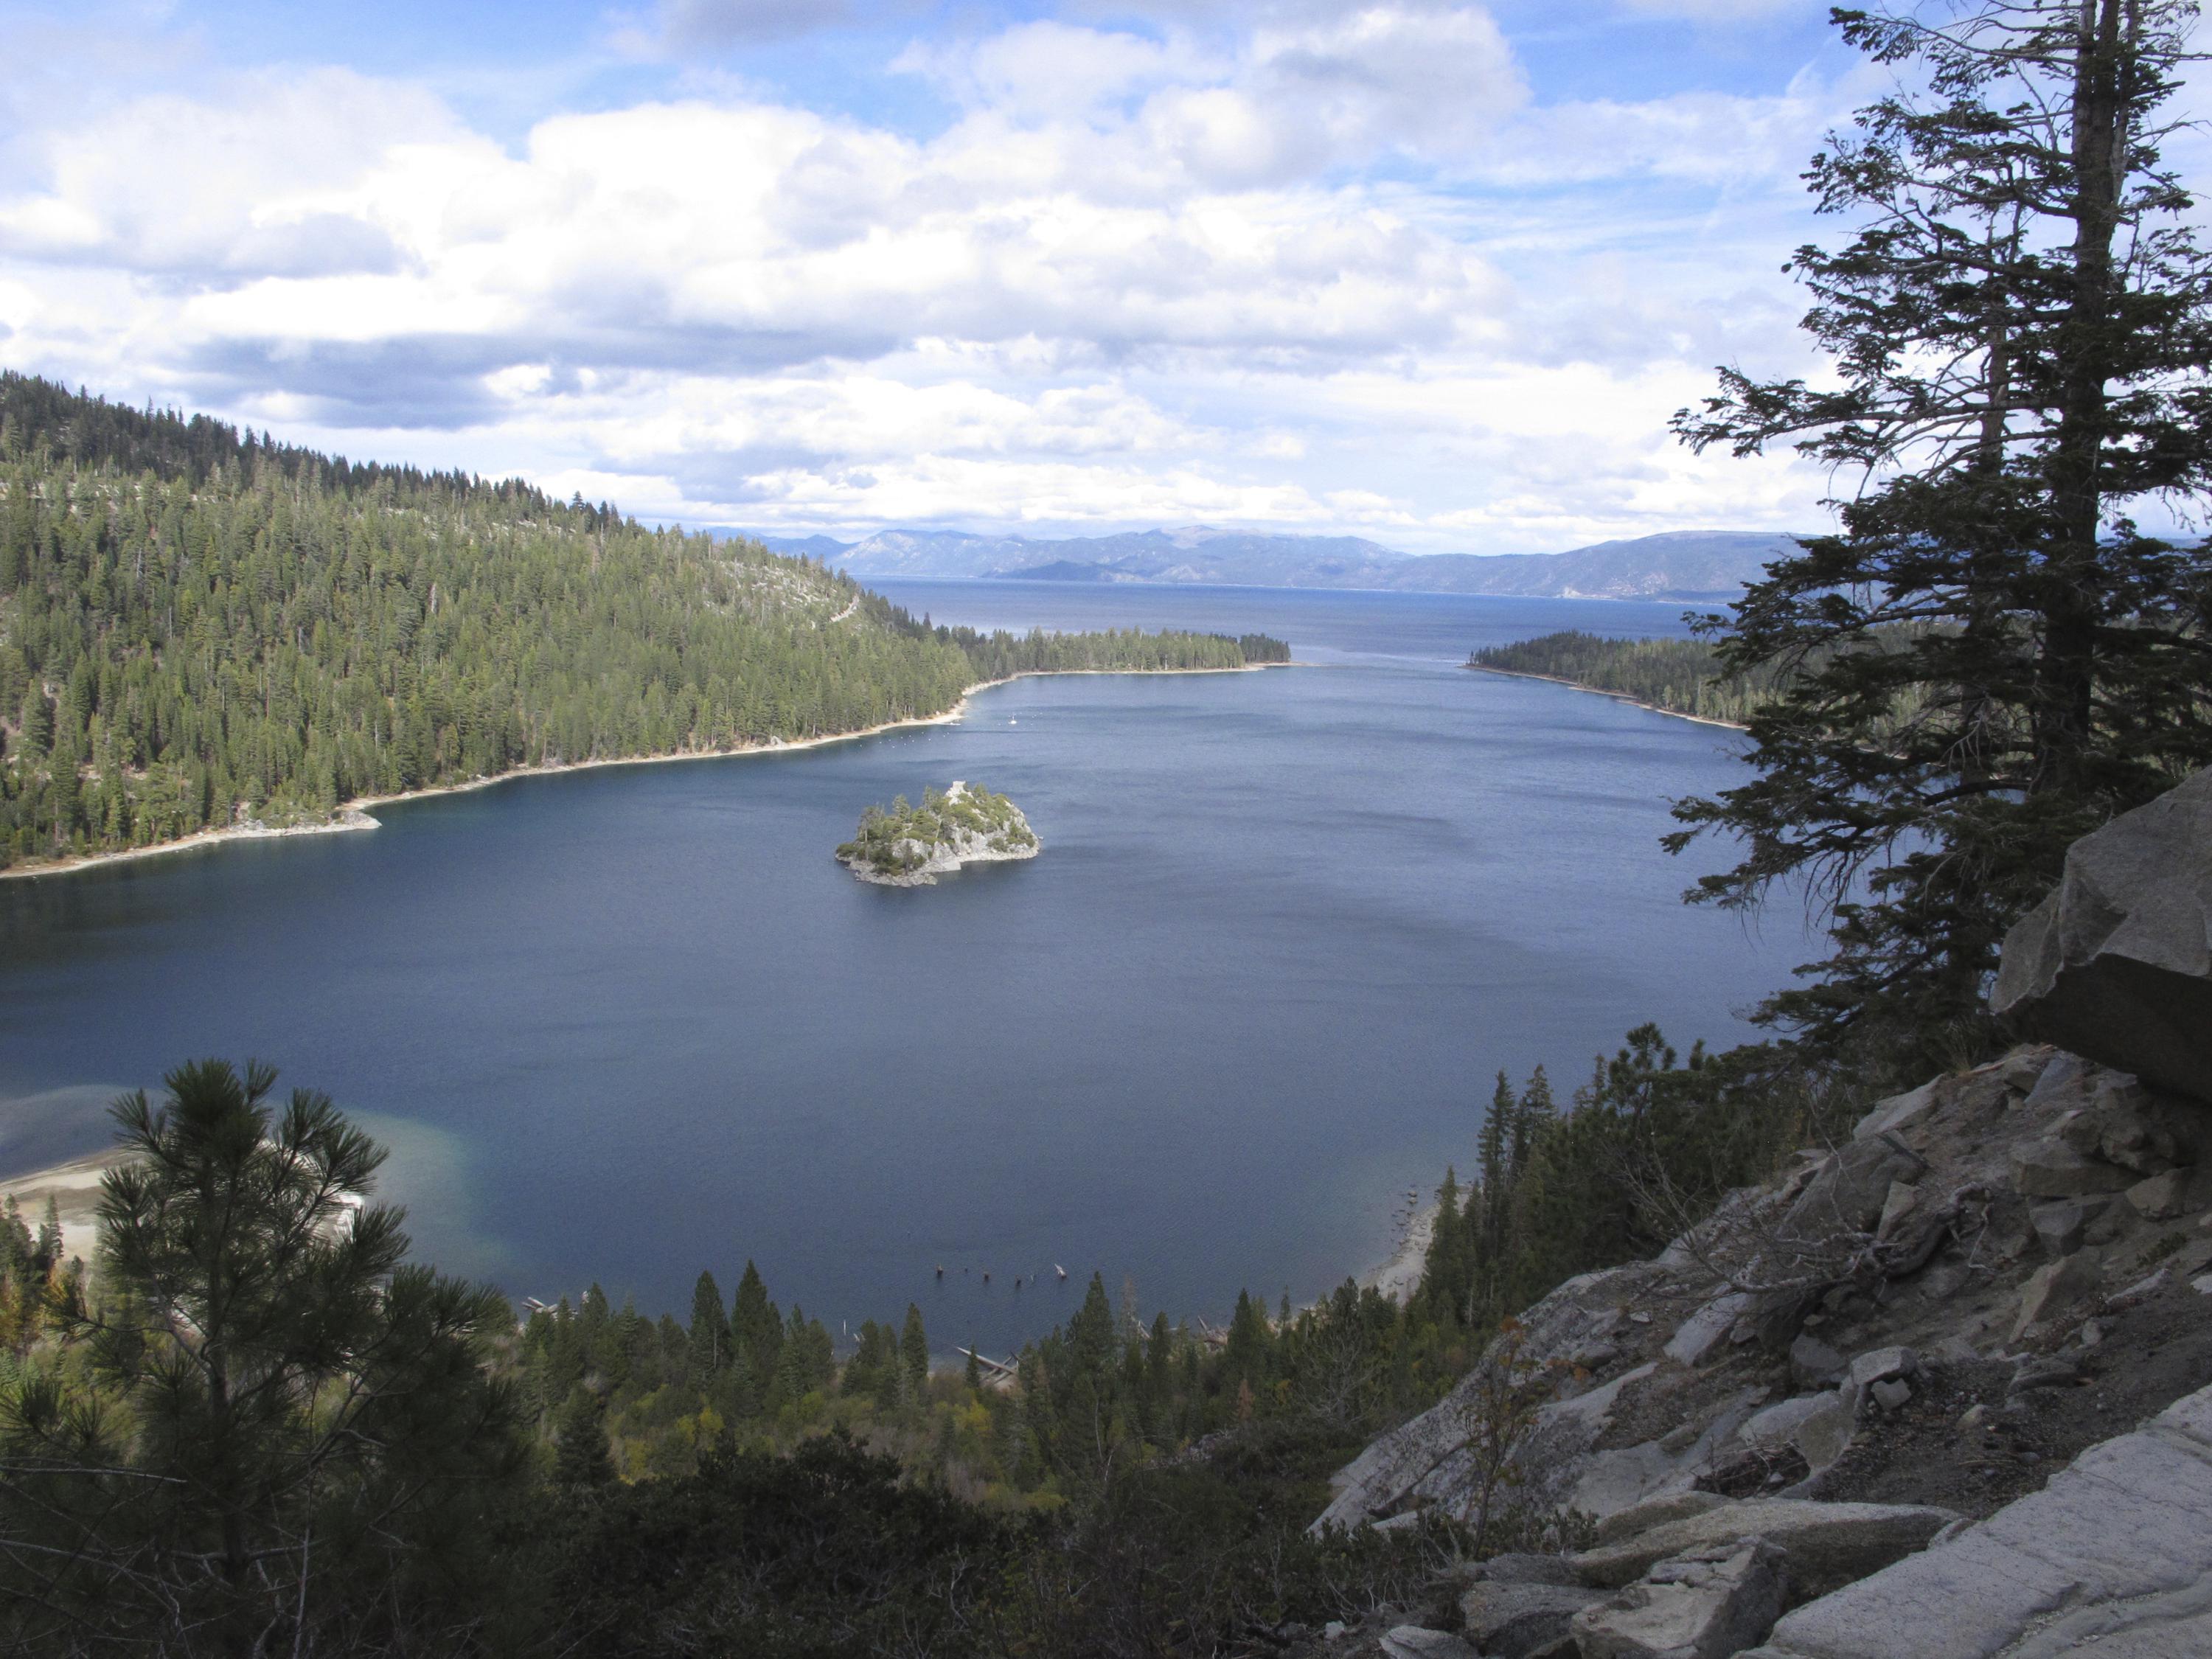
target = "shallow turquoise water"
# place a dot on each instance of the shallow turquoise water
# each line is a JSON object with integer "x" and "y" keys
{"x": 625, "y": 1023}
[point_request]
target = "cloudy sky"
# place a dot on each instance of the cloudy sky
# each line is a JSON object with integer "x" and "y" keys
{"x": 1427, "y": 272}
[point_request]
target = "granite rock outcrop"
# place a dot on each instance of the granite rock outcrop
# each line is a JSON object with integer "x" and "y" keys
{"x": 1940, "y": 1389}
{"x": 2116, "y": 964}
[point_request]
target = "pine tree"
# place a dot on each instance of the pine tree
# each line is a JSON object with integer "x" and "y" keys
{"x": 1497, "y": 1128}
{"x": 48, "y": 1246}
{"x": 709, "y": 1330}
{"x": 1988, "y": 660}
{"x": 593, "y": 1317}
{"x": 1091, "y": 1333}
{"x": 280, "y": 1363}
{"x": 1251, "y": 1343}
{"x": 34, "y": 724}
{"x": 756, "y": 1332}
{"x": 582, "y": 1458}
{"x": 1536, "y": 1108}
{"x": 627, "y": 1337}
{"x": 914, "y": 1352}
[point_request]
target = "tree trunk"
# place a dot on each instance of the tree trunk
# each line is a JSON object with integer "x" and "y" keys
{"x": 2066, "y": 672}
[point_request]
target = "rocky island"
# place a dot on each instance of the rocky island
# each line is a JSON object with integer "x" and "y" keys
{"x": 912, "y": 846}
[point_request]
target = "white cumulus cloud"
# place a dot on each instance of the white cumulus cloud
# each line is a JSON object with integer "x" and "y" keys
{"x": 1334, "y": 268}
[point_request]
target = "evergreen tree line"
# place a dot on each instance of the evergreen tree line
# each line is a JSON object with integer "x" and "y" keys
{"x": 1000, "y": 655}
{"x": 611, "y": 1394}
{"x": 1683, "y": 676}
{"x": 1643, "y": 1148}
{"x": 31, "y": 1268}
{"x": 199, "y": 627}
{"x": 1689, "y": 677}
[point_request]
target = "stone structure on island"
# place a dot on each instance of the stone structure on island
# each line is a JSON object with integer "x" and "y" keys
{"x": 1937, "y": 1393}
{"x": 908, "y": 845}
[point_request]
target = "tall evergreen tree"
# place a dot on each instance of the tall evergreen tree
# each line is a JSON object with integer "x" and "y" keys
{"x": 1990, "y": 659}
{"x": 757, "y": 1331}
{"x": 709, "y": 1330}
{"x": 582, "y": 1456}
{"x": 1491, "y": 1151}
{"x": 49, "y": 1245}
{"x": 302, "y": 1402}
{"x": 1535, "y": 1110}
{"x": 1250, "y": 1343}
{"x": 914, "y": 1352}
{"x": 1091, "y": 1333}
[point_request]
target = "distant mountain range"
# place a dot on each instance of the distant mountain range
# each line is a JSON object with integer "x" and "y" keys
{"x": 1682, "y": 564}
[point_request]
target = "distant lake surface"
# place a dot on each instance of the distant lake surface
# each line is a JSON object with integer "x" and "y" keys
{"x": 625, "y": 1023}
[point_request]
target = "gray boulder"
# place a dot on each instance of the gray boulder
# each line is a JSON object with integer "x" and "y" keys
{"x": 2126, "y": 1124}
{"x": 1829, "y": 1544}
{"x": 2114, "y": 1557}
{"x": 2116, "y": 963}
{"x": 1877, "y": 1365}
{"x": 1704, "y": 1331}
{"x": 2060, "y": 1225}
{"x": 1812, "y": 1360}
{"x": 1515, "y": 1568}
{"x": 1817, "y": 1425}
{"x": 1900, "y": 1112}
{"x": 2162, "y": 1197}
{"x": 1847, "y": 1193}
{"x": 1825, "y": 1435}
{"x": 1418, "y": 1642}
{"x": 2053, "y": 1288}
{"x": 2051, "y": 1168}
{"x": 1511, "y": 1621}
{"x": 1705, "y": 1604}
{"x": 1652, "y": 1512}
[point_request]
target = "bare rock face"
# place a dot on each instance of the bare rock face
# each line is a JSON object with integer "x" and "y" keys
{"x": 1413, "y": 1642}
{"x": 2052, "y": 1288}
{"x": 1654, "y": 1512}
{"x": 1511, "y": 1621}
{"x": 1668, "y": 1376}
{"x": 2116, "y": 964}
{"x": 1787, "y": 1376}
{"x": 1705, "y": 1604}
{"x": 2051, "y": 1168}
{"x": 1829, "y": 1544}
{"x": 2116, "y": 1551}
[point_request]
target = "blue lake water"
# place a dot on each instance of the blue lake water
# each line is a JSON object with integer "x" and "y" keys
{"x": 625, "y": 1023}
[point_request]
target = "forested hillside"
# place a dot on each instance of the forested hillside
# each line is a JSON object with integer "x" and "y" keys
{"x": 1680, "y": 676}
{"x": 199, "y": 627}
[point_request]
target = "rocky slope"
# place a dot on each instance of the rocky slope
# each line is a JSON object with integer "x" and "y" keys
{"x": 1940, "y": 1390}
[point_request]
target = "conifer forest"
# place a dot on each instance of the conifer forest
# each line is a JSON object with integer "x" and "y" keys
{"x": 200, "y": 628}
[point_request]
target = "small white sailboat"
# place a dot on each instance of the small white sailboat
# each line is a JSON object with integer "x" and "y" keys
{"x": 1062, "y": 1271}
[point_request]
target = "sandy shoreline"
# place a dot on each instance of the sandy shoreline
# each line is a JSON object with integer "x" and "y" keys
{"x": 1618, "y": 696}
{"x": 75, "y": 1189}
{"x": 1398, "y": 1277}
{"x": 354, "y": 814}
